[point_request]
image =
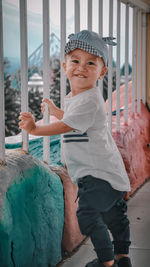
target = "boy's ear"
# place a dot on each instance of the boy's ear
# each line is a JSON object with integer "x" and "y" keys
{"x": 103, "y": 72}
{"x": 64, "y": 66}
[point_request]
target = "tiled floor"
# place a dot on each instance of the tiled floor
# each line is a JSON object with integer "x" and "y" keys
{"x": 139, "y": 215}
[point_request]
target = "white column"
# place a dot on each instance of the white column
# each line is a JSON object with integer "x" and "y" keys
{"x": 24, "y": 66}
{"x": 46, "y": 76}
{"x": 126, "y": 62}
{"x": 110, "y": 66}
{"x": 77, "y": 15}
{"x": 144, "y": 58}
{"x": 118, "y": 69}
{"x": 139, "y": 64}
{"x": 2, "y": 110}
{"x": 89, "y": 15}
{"x": 133, "y": 58}
{"x": 100, "y": 30}
{"x": 63, "y": 42}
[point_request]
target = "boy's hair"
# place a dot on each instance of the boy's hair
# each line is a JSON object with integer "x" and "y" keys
{"x": 90, "y": 42}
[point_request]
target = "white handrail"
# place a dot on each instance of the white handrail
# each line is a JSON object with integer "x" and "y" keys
{"x": 139, "y": 64}
{"x": 2, "y": 111}
{"x": 63, "y": 42}
{"x": 89, "y": 17}
{"x": 118, "y": 69}
{"x": 24, "y": 66}
{"x": 133, "y": 58}
{"x": 46, "y": 76}
{"x": 144, "y": 58}
{"x": 77, "y": 15}
{"x": 100, "y": 30}
{"x": 110, "y": 66}
{"x": 126, "y": 62}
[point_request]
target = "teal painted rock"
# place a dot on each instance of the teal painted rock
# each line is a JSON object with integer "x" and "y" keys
{"x": 31, "y": 213}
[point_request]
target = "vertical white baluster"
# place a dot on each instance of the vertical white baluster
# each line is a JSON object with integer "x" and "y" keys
{"x": 133, "y": 58}
{"x": 144, "y": 58}
{"x": 118, "y": 69}
{"x": 46, "y": 76}
{"x": 90, "y": 15}
{"x": 2, "y": 110}
{"x": 126, "y": 62}
{"x": 100, "y": 30}
{"x": 63, "y": 42}
{"x": 110, "y": 66}
{"x": 24, "y": 66}
{"x": 77, "y": 15}
{"x": 139, "y": 64}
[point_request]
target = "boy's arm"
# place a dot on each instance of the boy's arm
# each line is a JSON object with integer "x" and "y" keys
{"x": 57, "y": 112}
{"x": 27, "y": 123}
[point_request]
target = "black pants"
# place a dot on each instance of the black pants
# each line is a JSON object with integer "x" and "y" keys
{"x": 101, "y": 208}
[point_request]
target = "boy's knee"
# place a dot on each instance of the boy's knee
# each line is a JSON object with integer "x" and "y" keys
{"x": 85, "y": 226}
{"x": 88, "y": 223}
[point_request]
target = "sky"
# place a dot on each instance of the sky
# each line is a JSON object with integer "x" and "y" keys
{"x": 34, "y": 7}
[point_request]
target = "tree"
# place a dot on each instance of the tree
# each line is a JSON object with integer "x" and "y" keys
{"x": 12, "y": 105}
{"x": 122, "y": 71}
{"x": 105, "y": 84}
{"x": 35, "y": 99}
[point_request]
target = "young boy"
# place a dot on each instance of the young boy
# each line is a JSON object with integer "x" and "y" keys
{"x": 92, "y": 158}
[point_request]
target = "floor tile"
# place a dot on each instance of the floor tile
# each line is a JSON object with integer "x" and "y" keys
{"x": 139, "y": 214}
{"x": 82, "y": 256}
{"x": 145, "y": 187}
{"x": 140, "y": 236}
{"x": 140, "y": 257}
{"x": 140, "y": 199}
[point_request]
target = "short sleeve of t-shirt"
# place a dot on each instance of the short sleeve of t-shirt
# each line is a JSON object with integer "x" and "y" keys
{"x": 80, "y": 116}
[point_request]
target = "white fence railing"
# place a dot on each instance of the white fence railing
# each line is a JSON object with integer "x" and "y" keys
{"x": 46, "y": 76}
{"x": 138, "y": 54}
{"x": 2, "y": 116}
{"x": 24, "y": 66}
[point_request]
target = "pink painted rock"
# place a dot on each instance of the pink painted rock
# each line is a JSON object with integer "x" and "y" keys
{"x": 132, "y": 141}
{"x": 72, "y": 236}
{"x": 122, "y": 96}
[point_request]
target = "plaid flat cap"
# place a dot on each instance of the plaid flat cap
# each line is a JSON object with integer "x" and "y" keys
{"x": 90, "y": 42}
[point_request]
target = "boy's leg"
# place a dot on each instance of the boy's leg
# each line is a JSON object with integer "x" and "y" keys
{"x": 118, "y": 223}
{"x": 92, "y": 225}
{"x": 94, "y": 197}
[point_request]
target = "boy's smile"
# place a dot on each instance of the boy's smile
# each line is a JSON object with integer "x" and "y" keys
{"x": 83, "y": 70}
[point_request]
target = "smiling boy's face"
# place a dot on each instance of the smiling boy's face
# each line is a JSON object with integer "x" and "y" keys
{"x": 83, "y": 70}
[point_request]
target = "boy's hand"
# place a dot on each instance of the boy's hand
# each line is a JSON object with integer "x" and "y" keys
{"x": 27, "y": 122}
{"x": 51, "y": 106}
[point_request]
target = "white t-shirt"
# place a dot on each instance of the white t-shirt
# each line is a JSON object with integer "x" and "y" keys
{"x": 90, "y": 149}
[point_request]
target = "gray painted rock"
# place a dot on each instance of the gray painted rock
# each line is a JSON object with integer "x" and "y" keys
{"x": 31, "y": 214}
